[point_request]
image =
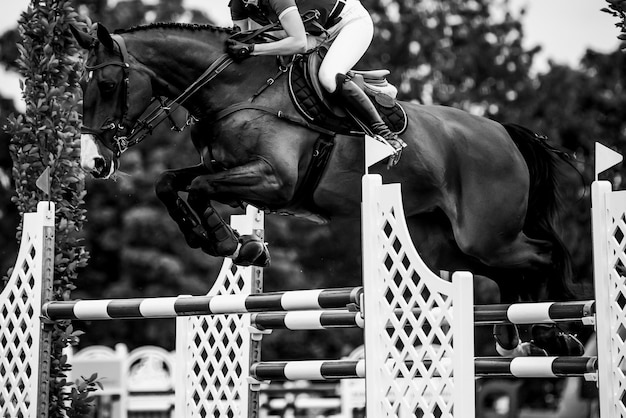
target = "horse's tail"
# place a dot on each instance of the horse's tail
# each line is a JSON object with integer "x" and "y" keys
{"x": 545, "y": 166}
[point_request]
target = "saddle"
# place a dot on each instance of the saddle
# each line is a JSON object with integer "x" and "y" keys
{"x": 320, "y": 108}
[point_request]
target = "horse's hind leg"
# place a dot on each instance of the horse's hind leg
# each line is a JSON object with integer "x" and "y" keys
{"x": 433, "y": 238}
{"x": 501, "y": 243}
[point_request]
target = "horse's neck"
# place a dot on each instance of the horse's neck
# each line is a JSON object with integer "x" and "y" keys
{"x": 178, "y": 60}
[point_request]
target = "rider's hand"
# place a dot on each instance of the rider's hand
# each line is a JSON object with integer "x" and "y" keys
{"x": 238, "y": 50}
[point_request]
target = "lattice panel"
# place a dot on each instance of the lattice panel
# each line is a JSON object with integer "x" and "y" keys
{"x": 415, "y": 377}
{"x": 216, "y": 353}
{"x": 412, "y": 339}
{"x": 20, "y": 308}
{"x": 617, "y": 295}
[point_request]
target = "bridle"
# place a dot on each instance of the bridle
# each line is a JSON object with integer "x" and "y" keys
{"x": 120, "y": 140}
{"x": 144, "y": 127}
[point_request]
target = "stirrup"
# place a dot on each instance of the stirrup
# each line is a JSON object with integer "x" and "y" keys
{"x": 397, "y": 144}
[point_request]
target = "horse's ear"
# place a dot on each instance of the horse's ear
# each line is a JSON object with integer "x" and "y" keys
{"x": 105, "y": 37}
{"x": 84, "y": 39}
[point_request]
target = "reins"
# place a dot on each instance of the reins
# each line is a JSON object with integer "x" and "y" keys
{"x": 146, "y": 125}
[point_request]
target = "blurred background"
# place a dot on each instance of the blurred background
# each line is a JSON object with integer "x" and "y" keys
{"x": 554, "y": 66}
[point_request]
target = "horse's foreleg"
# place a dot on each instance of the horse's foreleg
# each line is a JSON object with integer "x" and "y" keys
{"x": 167, "y": 187}
{"x": 255, "y": 181}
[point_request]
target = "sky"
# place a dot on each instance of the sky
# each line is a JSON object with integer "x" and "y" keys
{"x": 565, "y": 29}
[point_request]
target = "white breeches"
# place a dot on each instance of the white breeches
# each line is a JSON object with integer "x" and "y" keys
{"x": 350, "y": 39}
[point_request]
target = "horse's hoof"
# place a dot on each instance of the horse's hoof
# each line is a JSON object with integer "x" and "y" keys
{"x": 526, "y": 349}
{"x": 529, "y": 349}
{"x": 252, "y": 252}
{"x": 556, "y": 342}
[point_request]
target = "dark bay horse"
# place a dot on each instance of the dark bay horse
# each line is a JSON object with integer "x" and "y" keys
{"x": 481, "y": 196}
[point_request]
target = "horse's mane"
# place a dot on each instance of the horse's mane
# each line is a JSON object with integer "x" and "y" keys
{"x": 174, "y": 25}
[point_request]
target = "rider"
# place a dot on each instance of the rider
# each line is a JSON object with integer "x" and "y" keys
{"x": 345, "y": 23}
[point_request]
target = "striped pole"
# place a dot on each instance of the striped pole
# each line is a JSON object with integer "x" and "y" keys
{"x": 308, "y": 370}
{"x": 535, "y": 313}
{"x": 520, "y": 367}
{"x": 528, "y": 313}
{"x": 307, "y": 320}
{"x": 301, "y": 300}
{"x": 518, "y": 313}
{"x": 523, "y": 313}
{"x": 170, "y": 307}
{"x": 525, "y": 367}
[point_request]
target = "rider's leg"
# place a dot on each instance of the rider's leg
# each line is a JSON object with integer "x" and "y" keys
{"x": 358, "y": 102}
{"x": 352, "y": 37}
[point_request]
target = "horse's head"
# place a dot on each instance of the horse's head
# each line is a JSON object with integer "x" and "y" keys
{"x": 110, "y": 105}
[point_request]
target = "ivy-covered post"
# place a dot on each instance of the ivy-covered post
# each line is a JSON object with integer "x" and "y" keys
{"x": 47, "y": 137}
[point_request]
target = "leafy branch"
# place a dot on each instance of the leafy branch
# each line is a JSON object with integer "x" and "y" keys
{"x": 617, "y": 8}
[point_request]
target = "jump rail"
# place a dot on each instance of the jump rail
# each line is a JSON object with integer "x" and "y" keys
{"x": 517, "y": 313}
{"x": 170, "y": 307}
{"x": 521, "y": 367}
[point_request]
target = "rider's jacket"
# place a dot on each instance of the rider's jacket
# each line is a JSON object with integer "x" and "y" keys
{"x": 265, "y": 12}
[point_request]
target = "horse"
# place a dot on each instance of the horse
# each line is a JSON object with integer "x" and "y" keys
{"x": 481, "y": 195}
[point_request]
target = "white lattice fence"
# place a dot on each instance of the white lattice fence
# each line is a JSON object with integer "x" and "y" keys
{"x": 409, "y": 366}
{"x": 20, "y": 324}
{"x": 609, "y": 228}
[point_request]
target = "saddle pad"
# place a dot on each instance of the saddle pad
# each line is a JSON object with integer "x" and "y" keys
{"x": 311, "y": 107}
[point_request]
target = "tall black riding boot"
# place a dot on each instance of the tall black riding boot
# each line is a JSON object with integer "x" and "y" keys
{"x": 355, "y": 99}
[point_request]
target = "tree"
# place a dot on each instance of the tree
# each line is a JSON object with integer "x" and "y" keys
{"x": 466, "y": 54}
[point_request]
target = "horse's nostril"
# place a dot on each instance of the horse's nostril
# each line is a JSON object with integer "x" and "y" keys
{"x": 99, "y": 164}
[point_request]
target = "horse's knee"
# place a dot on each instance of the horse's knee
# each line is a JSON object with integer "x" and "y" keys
{"x": 199, "y": 193}
{"x": 164, "y": 184}
{"x": 279, "y": 189}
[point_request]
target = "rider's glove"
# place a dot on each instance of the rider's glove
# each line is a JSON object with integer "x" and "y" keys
{"x": 238, "y": 50}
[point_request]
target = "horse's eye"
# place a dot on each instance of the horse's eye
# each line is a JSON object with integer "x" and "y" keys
{"x": 106, "y": 86}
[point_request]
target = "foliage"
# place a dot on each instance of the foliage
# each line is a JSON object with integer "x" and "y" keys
{"x": 46, "y": 137}
{"x": 81, "y": 397}
{"x": 617, "y": 8}
{"x": 460, "y": 53}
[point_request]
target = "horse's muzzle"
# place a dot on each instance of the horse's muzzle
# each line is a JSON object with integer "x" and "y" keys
{"x": 91, "y": 160}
